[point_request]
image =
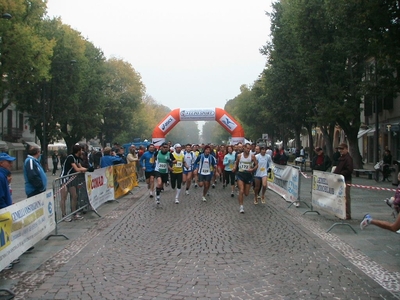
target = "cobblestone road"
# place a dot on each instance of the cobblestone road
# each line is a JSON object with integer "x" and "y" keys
{"x": 199, "y": 250}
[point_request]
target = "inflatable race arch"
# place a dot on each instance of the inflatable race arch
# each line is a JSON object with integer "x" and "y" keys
{"x": 197, "y": 114}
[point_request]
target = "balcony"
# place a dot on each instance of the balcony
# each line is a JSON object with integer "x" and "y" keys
{"x": 11, "y": 134}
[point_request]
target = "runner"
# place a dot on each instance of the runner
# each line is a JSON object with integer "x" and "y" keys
{"x": 177, "y": 158}
{"x": 204, "y": 163}
{"x": 245, "y": 164}
{"x": 229, "y": 163}
{"x": 189, "y": 158}
{"x": 161, "y": 169}
{"x": 196, "y": 152}
{"x": 220, "y": 164}
{"x": 147, "y": 161}
{"x": 261, "y": 174}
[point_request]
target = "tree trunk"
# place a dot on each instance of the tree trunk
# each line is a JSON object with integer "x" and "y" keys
{"x": 328, "y": 139}
{"x": 310, "y": 142}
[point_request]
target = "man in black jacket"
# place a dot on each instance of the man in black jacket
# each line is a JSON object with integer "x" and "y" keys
{"x": 321, "y": 162}
{"x": 345, "y": 168}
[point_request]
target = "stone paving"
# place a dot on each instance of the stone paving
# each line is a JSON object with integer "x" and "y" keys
{"x": 202, "y": 250}
{"x": 207, "y": 250}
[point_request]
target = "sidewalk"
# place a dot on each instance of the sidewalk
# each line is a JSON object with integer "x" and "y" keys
{"x": 374, "y": 251}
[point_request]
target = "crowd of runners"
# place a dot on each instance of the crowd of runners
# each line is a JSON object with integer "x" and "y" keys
{"x": 238, "y": 167}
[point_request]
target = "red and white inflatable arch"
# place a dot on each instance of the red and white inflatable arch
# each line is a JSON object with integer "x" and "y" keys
{"x": 198, "y": 114}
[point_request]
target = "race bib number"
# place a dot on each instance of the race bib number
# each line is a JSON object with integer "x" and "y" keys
{"x": 205, "y": 171}
{"x": 262, "y": 169}
{"x": 178, "y": 164}
{"x": 243, "y": 167}
{"x": 152, "y": 160}
{"x": 162, "y": 166}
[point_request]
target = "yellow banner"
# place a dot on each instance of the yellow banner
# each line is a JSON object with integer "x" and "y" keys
{"x": 125, "y": 179}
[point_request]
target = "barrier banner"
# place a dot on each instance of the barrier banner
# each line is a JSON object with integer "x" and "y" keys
{"x": 100, "y": 186}
{"x": 284, "y": 180}
{"x": 125, "y": 179}
{"x": 328, "y": 193}
{"x": 24, "y": 224}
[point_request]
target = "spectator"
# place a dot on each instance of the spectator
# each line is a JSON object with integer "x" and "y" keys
{"x": 35, "y": 176}
{"x": 335, "y": 157}
{"x": 345, "y": 168}
{"x": 321, "y": 162}
{"x": 108, "y": 159}
{"x": 5, "y": 172}
{"x": 55, "y": 161}
{"x": 120, "y": 153}
{"x": 5, "y": 194}
{"x": 387, "y": 161}
{"x": 71, "y": 165}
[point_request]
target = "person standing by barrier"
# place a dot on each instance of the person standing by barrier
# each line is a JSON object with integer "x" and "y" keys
{"x": 34, "y": 175}
{"x": 261, "y": 175}
{"x": 245, "y": 165}
{"x": 55, "y": 160}
{"x": 5, "y": 173}
{"x": 345, "y": 168}
{"x": 321, "y": 162}
{"x": 132, "y": 157}
{"x": 229, "y": 162}
{"x": 71, "y": 165}
{"x": 189, "y": 158}
{"x": 109, "y": 160}
{"x": 204, "y": 163}
{"x": 147, "y": 161}
{"x": 335, "y": 158}
{"x": 5, "y": 193}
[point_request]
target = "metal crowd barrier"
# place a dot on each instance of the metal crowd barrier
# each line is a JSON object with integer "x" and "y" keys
{"x": 65, "y": 190}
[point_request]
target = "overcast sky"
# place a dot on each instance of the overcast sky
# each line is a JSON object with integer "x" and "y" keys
{"x": 190, "y": 54}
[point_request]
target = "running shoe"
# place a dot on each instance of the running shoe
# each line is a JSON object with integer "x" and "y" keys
{"x": 241, "y": 209}
{"x": 208, "y": 193}
{"x": 389, "y": 202}
{"x": 15, "y": 261}
{"x": 187, "y": 192}
{"x": 67, "y": 219}
{"x": 195, "y": 185}
{"x": 158, "y": 201}
{"x": 232, "y": 195}
{"x": 176, "y": 201}
{"x": 213, "y": 186}
{"x": 263, "y": 200}
{"x": 255, "y": 201}
{"x": 151, "y": 196}
{"x": 204, "y": 199}
{"x": 78, "y": 217}
{"x": 9, "y": 267}
{"x": 366, "y": 221}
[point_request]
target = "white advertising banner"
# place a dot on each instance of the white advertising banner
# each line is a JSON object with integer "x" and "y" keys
{"x": 23, "y": 224}
{"x": 329, "y": 193}
{"x": 100, "y": 186}
{"x": 284, "y": 180}
{"x": 197, "y": 114}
